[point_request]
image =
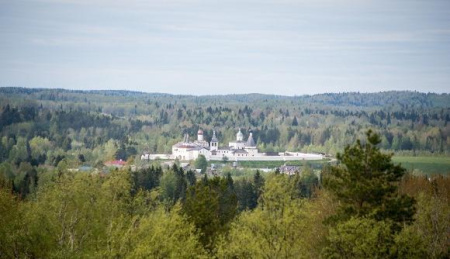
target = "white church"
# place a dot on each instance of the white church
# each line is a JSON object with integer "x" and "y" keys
{"x": 238, "y": 150}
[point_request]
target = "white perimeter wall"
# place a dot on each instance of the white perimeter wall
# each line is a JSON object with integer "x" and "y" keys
{"x": 299, "y": 156}
{"x": 259, "y": 157}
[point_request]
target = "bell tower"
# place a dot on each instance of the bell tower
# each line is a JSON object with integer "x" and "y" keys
{"x": 214, "y": 144}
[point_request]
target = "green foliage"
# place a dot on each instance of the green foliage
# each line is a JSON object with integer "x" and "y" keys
{"x": 88, "y": 216}
{"x": 360, "y": 238}
{"x": 364, "y": 184}
{"x": 305, "y": 183}
{"x": 249, "y": 191}
{"x": 211, "y": 204}
{"x": 26, "y": 179}
{"x": 11, "y": 226}
{"x": 432, "y": 225}
{"x": 368, "y": 238}
{"x": 246, "y": 194}
{"x": 409, "y": 244}
{"x": 373, "y": 219}
{"x": 201, "y": 163}
{"x": 258, "y": 182}
{"x": 173, "y": 185}
{"x": 81, "y": 215}
{"x": 165, "y": 235}
{"x": 277, "y": 228}
{"x": 147, "y": 178}
{"x": 190, "y": 177}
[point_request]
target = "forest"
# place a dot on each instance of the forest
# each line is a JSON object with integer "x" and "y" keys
{"x": 365, "y": 205}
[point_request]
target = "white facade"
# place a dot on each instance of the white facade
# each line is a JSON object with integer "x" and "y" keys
{"x": 239, "y": 143}
{"x": 238, "y": 150}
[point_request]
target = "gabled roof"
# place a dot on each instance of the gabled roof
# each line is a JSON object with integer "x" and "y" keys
{"x": 116, "y": 163}
{"x": 185, "y": 145}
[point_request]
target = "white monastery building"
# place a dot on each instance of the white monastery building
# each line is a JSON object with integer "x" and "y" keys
{"x": 238, "y": 150}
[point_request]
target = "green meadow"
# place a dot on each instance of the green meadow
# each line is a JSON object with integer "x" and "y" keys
{"x": 425, "y": 164}
{"x": 415, "y": 164}
{"x": 316, "y": 164}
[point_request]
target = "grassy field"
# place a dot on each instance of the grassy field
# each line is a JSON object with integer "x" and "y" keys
{"x": 424, "y": 164}
{"x": 417, "y": 164}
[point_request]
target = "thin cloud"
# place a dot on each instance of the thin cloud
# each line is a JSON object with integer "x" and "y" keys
{"x": 229, "y": 46}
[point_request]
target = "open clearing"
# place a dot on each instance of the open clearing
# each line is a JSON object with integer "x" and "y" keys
{"x": 417, "y": 164}
{"x": 425, "y": 164}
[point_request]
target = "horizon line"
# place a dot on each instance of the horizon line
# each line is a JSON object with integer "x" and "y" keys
{"x": 209, "y": 95}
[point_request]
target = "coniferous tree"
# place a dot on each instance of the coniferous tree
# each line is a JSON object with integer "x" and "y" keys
{"x": 211, "y": 204}
{"x": 365, "y": 184}
{"x": 246, "y": 195}
{"x": 190, "y": 177}
{"x": 258, "y": 183}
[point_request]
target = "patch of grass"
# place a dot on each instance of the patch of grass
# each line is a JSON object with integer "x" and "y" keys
{"x": 273, "y": 164}
{"x": 425, "y": 164}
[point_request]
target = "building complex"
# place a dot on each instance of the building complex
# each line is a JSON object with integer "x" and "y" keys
{"x": 238, "y": 150}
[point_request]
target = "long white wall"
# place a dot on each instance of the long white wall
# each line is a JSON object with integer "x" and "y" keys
{"x": 300, "y": 156}
{"x": 259, "y": 157}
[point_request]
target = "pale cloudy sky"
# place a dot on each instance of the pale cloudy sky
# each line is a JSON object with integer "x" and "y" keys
{"x": 287, "y": 47}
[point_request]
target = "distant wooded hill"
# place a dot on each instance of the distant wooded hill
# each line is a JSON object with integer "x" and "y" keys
{"x": 391, "y": 98}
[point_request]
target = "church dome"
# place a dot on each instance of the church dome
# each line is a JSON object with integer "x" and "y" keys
{"x": 200, "y": 132}
{"x": 239, "y": 136}
{"x": 250, "y": 141}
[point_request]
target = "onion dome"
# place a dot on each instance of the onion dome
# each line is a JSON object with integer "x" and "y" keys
{"x": 239, "y": 136}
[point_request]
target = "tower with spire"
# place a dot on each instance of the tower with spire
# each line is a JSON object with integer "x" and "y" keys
{"x": 214, "y": 144}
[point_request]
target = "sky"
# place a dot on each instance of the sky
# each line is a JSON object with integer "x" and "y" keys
{"x": 199, "y": 47}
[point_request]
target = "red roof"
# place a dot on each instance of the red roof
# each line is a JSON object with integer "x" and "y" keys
{"x": 116, "y": 163}
{"x": 187, "y": 146}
